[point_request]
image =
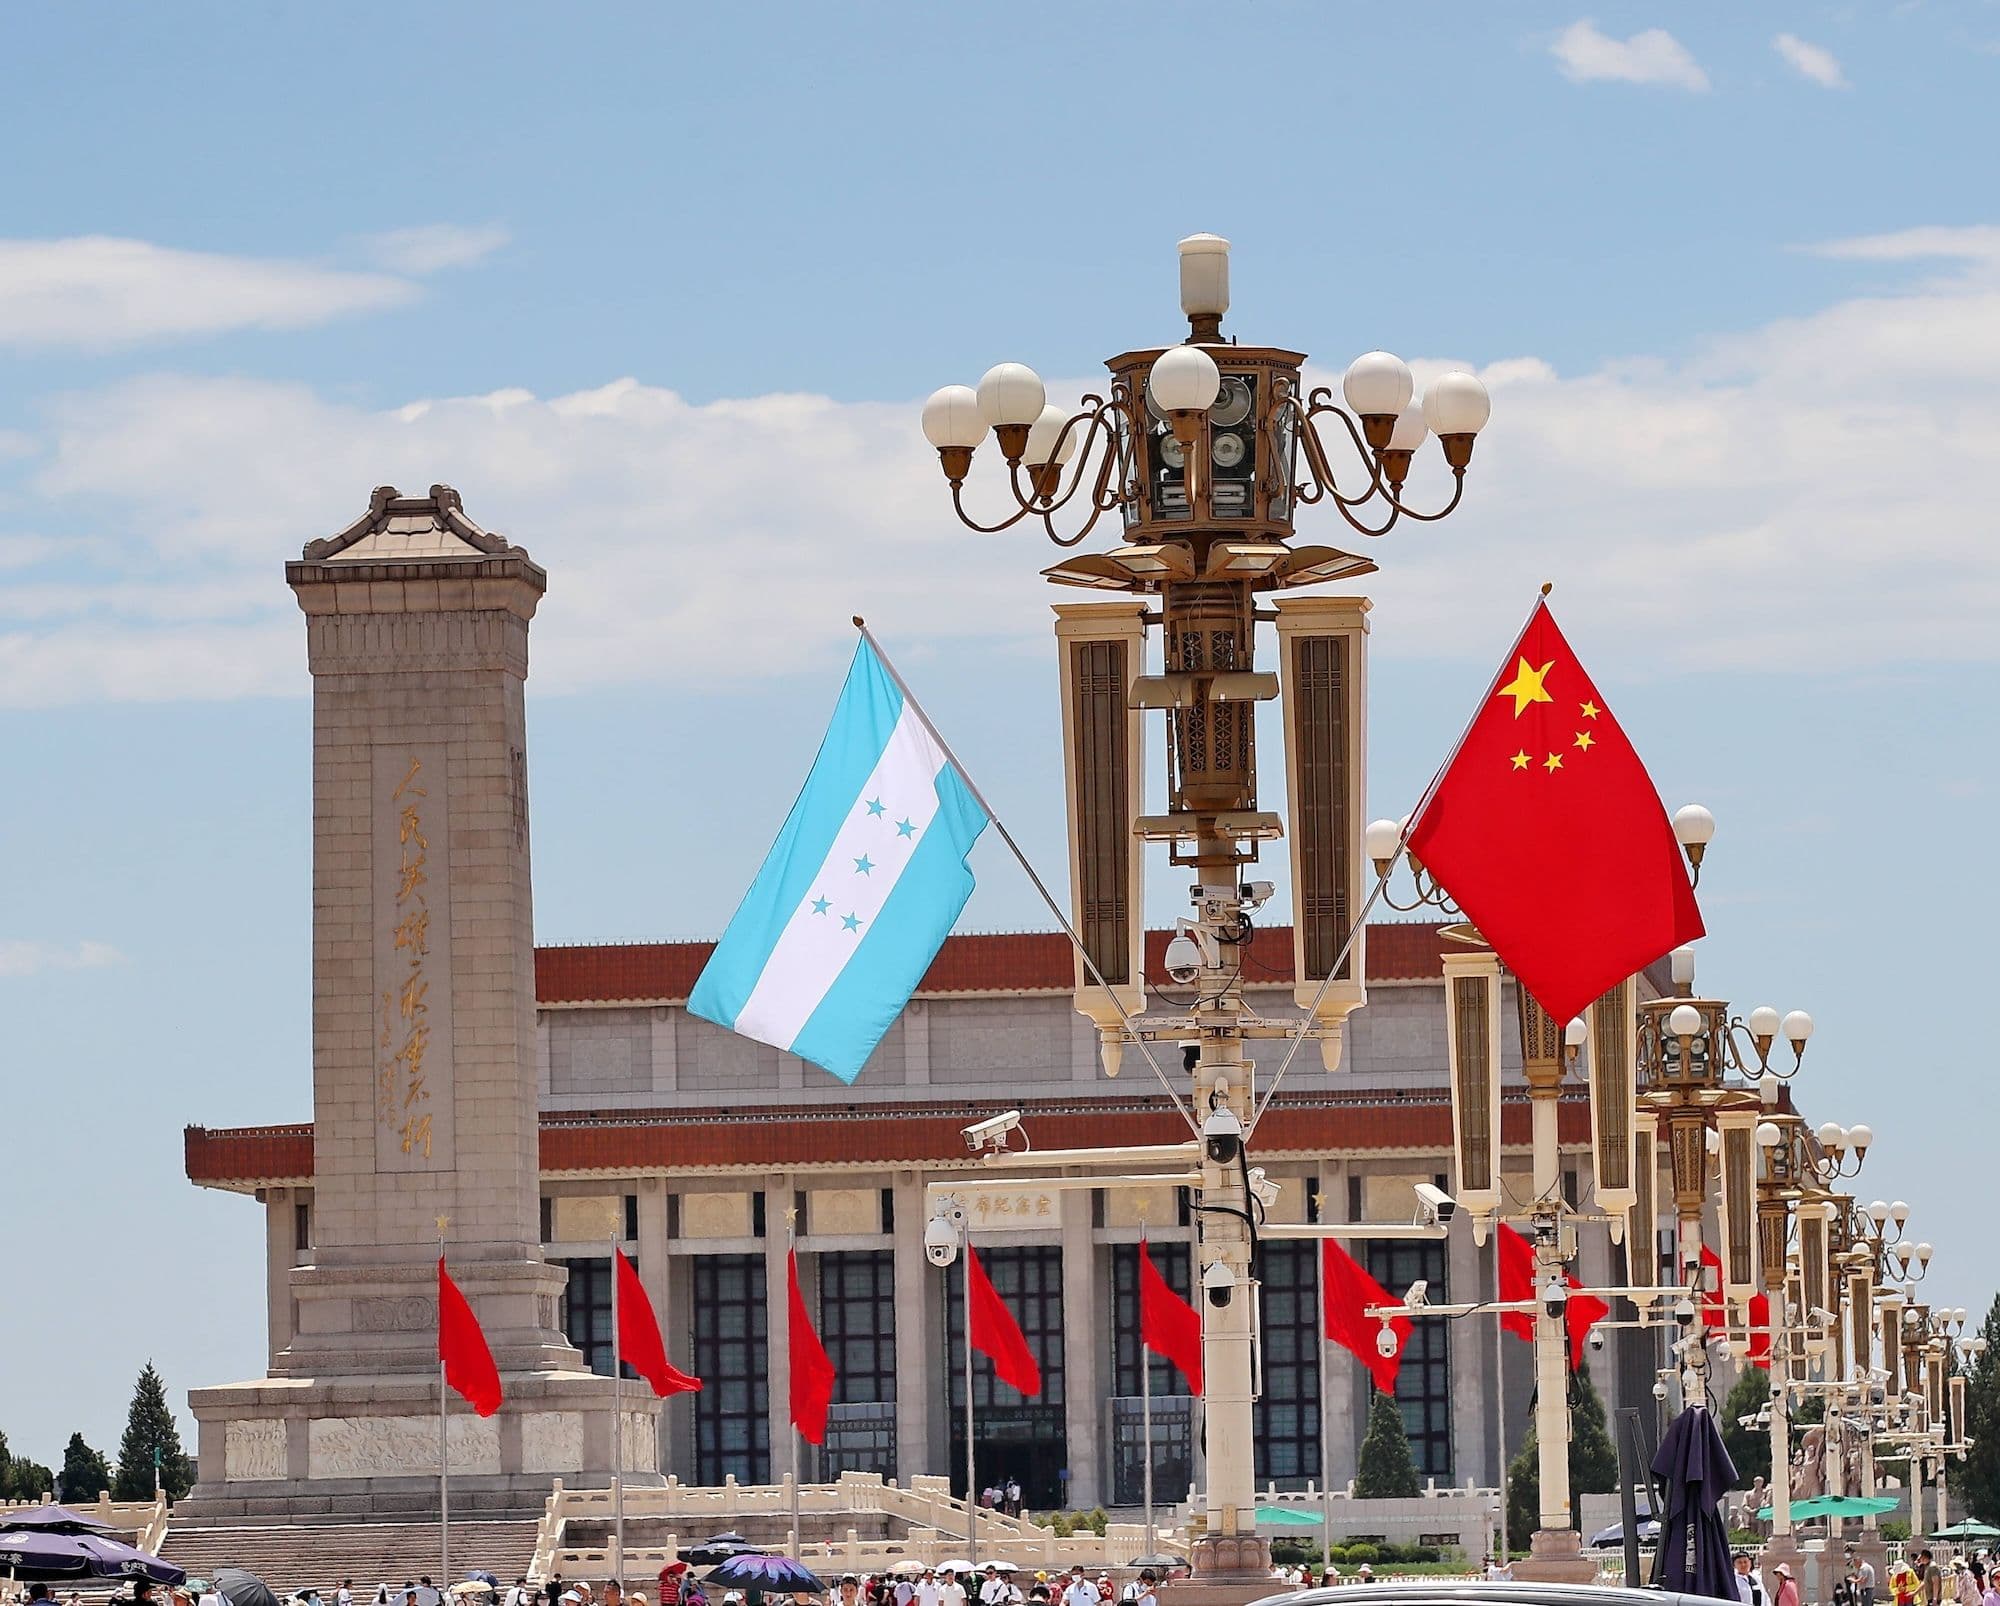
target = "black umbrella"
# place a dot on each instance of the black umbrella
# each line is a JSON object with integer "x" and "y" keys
{"x": 718, "y": 1547}
{"x": 771, "y": 1575}
{"x": 59, "y": 1519}
{"x": 728, "y": 1536}
{"x": 1694, "y": 1469}
{"x": 239, "y": 1588}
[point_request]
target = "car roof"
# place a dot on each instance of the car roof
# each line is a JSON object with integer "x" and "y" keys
{"x": 1451, "y": 1591}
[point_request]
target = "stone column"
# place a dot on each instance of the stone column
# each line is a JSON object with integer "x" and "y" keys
{"x": 1085, "y": 1298}
{"x": 281, "y": 1242}
{"x": 915, "y": 1356}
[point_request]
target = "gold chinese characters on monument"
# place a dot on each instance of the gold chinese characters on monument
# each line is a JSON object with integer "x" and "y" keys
{"x": 412, "y": 961}
{"x": 991, "y": 1208}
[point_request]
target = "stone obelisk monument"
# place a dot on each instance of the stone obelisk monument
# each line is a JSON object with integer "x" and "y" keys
{"x": 424, "y": 1085}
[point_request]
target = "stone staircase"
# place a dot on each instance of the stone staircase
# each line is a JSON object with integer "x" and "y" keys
{"x": 371, "y": 1553}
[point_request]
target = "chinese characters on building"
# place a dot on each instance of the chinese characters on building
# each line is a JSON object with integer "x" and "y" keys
{"x": 403, "y": 1092}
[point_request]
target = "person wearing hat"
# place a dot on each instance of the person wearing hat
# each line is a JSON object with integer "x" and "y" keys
{"x": 1787, "y": 1592}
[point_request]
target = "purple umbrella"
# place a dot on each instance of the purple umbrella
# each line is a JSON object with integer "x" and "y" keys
{"x": 774, "y": 1575}
{"x": 58, "y": 1519}
{"x": 40, "y": 1553}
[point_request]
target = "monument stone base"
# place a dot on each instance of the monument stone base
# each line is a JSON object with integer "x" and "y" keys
{"x": 366, "y": 1448}
{"x": 1555, "y": 1556}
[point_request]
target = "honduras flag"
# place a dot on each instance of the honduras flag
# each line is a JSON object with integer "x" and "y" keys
{"x": 859, "y": 891}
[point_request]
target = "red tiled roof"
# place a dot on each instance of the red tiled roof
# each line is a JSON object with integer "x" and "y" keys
{"x": 1011, "y": 962}
{"x": 891, "y": 1134}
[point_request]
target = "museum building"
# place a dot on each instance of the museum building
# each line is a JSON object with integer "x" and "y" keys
{"x": 706, "y": 1155}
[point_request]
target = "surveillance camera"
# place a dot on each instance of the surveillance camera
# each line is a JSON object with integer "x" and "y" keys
{"x": 1555, "y": 1297}
{"x": 1437, "y": 1206}
{"x": 1219, "y": 1282}
{"x": 941, "y": 1241}
{"x": 991, "y": 1133}
{"x": 1266, "y": 1192}
{"x": 1419, "y": 1293}
{"x": 1190, "y": 1053}
{"x": 1684, "y": 1311}
{"x": 1386, "y": 1342}
{"x": 1596, "y": 1339}
{"x": 1255, "y": 894}
{"x": 1223, "y": 1133}
{"x": 1183, "y": 958}
{"x": 1659, "y": 1391}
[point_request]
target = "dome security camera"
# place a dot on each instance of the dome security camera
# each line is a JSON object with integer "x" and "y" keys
{"x": 1183, "y": 958}
{"x": 1386, "y": 1342}
{"x": 1219, "y": 1282}
{"x": 941, "y": 1241}
{"x": 1223, "y": 1133}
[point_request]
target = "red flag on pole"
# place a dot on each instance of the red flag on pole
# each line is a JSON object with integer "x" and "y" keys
{"x": 468, "y": 1362}
{"x": 1760, "y": 1331}
{"x": 1346, "y": 1292}
{"x": 812, "y": 1370}
{"x": 995, "y": 1333}
{"x": 1546, "y": 830}
{"x": 1581, "y": 1312}
{"x": 1168, "y": 1324}
{"x": 1714, "y": 1314}
{"x": 640, "y": 1344}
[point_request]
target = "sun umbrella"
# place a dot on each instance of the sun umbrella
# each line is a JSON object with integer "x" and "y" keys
{"x": 472, "y": 1586}
{"x": 1615, "y": 1534}
{"x": 46, "y": 1553}
{"x": 1003, "y": 1566}
{"x": 958, "y": 1564}
{"x": 59, "y": 1518}
{"x": 1159, "y": 1563}
{"x": 774, "y": 1575}
{"x": 1968, "y": 1529}
{"x": 1694, "y": 1468}
{"x": 481, "y": 1575}
{"x": 1287, "y": 1517}
{"x": 909, "y": 1567}
{"x": 239, "y": 1588}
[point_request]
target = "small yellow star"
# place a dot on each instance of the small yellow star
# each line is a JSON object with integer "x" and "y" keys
{"x": 1585, "y": 740}
{"x": 791, "y": 1215}
{"x": 1526, "y": 686}
{"x": 1553, "y": 762}
{"x": 1590, "y": 710}
{"x": 1520, "y": 761}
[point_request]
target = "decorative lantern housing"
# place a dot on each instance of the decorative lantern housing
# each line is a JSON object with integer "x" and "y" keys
{"x": 1642, "y": 1247}
{"x": 1614, "y": 1052}
{"x": 1472, "y": 986}
{"x": 1739, "y": 1204}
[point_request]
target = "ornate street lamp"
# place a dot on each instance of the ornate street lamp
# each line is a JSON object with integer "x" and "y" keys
{"x": 1199, "y": 456}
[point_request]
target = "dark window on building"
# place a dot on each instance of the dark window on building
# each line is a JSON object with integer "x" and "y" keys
{"x": 631, "y": 1218}
{"x": 857, "y": 1324}
{"x": 548, "y": 1220}
{"x": 1172, "y": 1259}
{"x": 302, "y": 1225}
{"x": 757, "y": 1214}
{"x": 1022, "y": 1439}
{"x": 888, "y": 1209}
{"x": 1423, "y": 1386}
{"x": 587, "y": 1311}
{"x": 1287, "y": 1413}
{"x": 732, "y": 1429}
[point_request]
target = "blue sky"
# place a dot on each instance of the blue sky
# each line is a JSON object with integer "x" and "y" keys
{"x": 660, "y": 290}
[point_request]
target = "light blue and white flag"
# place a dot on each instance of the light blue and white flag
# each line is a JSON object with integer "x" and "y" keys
{"x": 859, "y": 891}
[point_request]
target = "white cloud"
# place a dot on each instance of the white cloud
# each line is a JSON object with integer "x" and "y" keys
{"x": 1772, "y": 501}
{"x": 1974, "y": 243}
{"x": 1810, "y": 61}
{"x": 1652, "y": 56}
{"x": 434, "y": 246}
{"x": 28, "y": 957}
{"x": 96, "y": 291}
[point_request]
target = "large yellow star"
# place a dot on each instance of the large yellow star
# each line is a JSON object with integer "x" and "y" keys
{"x": 1553, "y": 762}
{"x": 1526, "y": 686}
{"x": 1520, "y": 761}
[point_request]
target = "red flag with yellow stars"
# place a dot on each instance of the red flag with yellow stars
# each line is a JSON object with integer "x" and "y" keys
{"x": 1545, "y": 829}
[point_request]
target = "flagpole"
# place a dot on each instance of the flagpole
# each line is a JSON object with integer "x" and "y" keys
{"x": 1325, "y": 1440}
{"x": 444, "y": 1451}
{"x": 617, "y": 1428}
{"x": 971, "y": 1465}
{"x": 1006, "y": 836}
{"x": 1500, "y": 1412}
{"x": 791, "y": 1342}
{"x": 1146, "y": 1424}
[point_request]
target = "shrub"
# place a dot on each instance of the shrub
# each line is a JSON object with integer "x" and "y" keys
{"x": 1363, "y": 1552}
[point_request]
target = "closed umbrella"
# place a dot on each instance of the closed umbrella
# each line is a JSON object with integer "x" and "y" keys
{"x": 1694, "y": 1468}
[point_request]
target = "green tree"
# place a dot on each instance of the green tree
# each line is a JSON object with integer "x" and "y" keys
{"x": 1979, "y": 1478}
{"x": 1749, "y": 1448}
{"x": 85, "y": 1473}
{"x": 151, "y": 1440}
{"x": 1593, "y": 1462}
{"x": 1386, "y": 1470}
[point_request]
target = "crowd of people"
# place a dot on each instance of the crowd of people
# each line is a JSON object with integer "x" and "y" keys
{"x": 1923, "y": 1579}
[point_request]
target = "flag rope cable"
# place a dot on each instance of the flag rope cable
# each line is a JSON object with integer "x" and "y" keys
{"x": 1007, "y": 836}
{"x": 1381, "y": 884}
{"x": 617, "y": 1423}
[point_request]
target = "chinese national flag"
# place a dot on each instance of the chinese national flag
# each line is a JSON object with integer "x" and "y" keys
{"x": 1714, "y": 1314}
{"x": 995, "y": 1333}
{"x": 1346, "y": 1292}
{"x": 1517, "y": 1281}
{"x": 1760, "y": 1331}
{"x": 1168, "y": 1324}
{"x": 1545, "y": 829}
{"x": 640, "y": 1345}
{"x": 812, "y": 1371}
{"x": 468, "y": 1362}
